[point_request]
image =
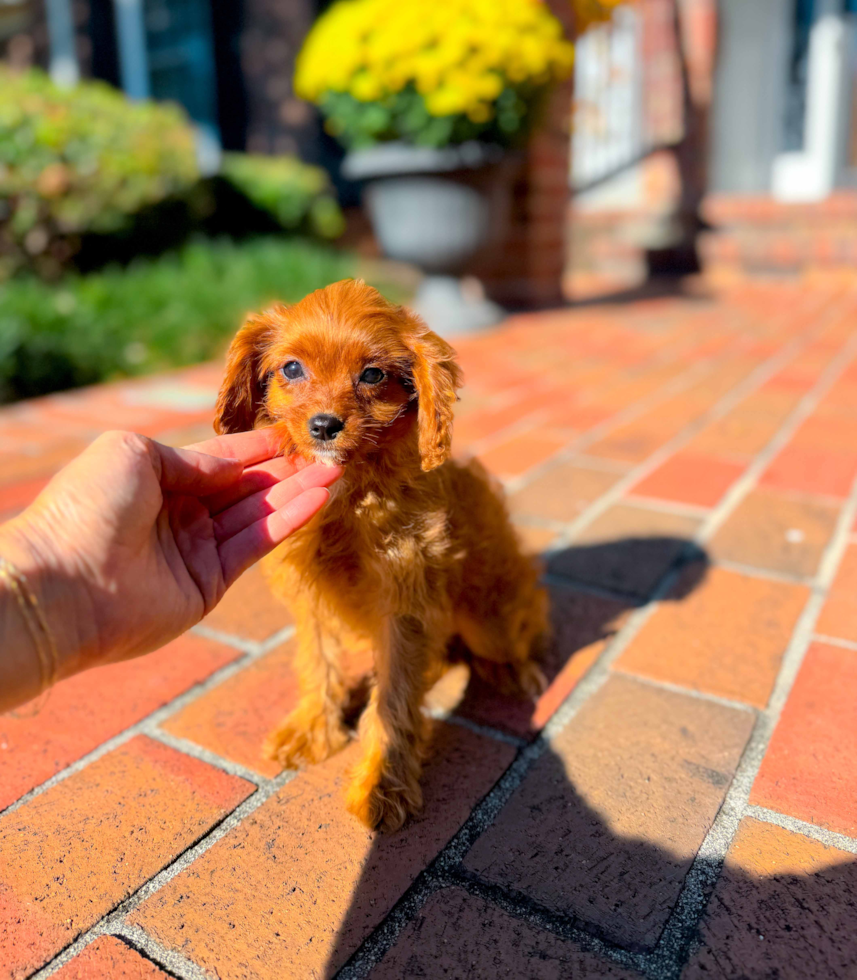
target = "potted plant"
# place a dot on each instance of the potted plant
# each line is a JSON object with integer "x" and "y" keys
{"x": 431, "y": 101}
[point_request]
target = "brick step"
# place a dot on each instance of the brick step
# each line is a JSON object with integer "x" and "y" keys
{"x": 763, "y": 210}
{"x": 780, "y": 249}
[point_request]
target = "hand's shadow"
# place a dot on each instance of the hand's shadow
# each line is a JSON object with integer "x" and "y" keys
{"x": 571, "y": 867}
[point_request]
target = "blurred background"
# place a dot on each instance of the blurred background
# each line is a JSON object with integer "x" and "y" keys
{"x": 166, "y": 165}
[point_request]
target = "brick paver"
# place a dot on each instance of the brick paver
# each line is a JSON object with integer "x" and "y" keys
{"x": 690, "y": 478}
{"x": 687, "y": 467}
{"x": 457, "y": 935}
{"x": 784, "y": 908}
{"x": 718, "y": 632}
{"x": 810, "y": 769}
{"x": 777, "y": 531}
{"x": 607, "y": 822}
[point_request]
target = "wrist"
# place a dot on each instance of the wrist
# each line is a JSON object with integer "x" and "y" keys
{"x": 55, "y": 594}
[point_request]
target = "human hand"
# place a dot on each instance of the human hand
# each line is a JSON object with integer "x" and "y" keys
{"x": 134, "y": 542}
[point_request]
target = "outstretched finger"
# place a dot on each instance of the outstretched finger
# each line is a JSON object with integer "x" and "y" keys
{"x": 254, "y": 542}
{"x": 250, "y": 447}
{"x": 272, "y": 498}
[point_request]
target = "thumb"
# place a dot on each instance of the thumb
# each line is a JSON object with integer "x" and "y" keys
{"x": 193, "y": 473}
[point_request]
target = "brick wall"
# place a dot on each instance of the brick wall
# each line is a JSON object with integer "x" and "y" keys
{"x": 271, "y": 36}
{"x": 528, "y": 270}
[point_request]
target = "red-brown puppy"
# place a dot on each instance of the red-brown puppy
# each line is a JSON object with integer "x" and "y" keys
{"x": 413, "y": 551}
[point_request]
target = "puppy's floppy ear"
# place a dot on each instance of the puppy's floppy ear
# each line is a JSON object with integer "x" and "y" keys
{"x": 436, "y": 375}
{"x": 241, "y": 392}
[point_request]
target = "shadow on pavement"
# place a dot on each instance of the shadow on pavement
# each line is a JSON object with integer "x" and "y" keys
{"x": 600, "y": 832}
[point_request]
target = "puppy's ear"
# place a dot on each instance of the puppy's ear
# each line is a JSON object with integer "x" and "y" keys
{"x": 436, "y": 375}
{"x": 241, "y": 392}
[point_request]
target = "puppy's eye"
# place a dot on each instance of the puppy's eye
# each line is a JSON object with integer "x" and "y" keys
{"x": 371, "y": 376}
{"x": 293, "y": 370}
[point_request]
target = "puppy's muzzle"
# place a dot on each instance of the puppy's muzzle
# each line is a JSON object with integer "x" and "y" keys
{"x": 325, "y": 428}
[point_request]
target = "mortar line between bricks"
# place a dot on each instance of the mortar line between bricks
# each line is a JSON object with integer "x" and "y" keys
{"x": 167, "y": 959}
{"x": 686, "y": 376}
{"x": 630, "y": 413}
{"x": 251, "y": 653}
{"x": 834, "y": 641}
{"x": 770, "y": 574}
{"x": 521, "y": 906}
{"x": 824, "y": 836}
{"x": 732, "y": 703}
{"x": 804, "y": 408}
{"x": 601, "y": 463}
{"x": 187, "y": 747}
{"x": 732, "y": 399}
{"x": 485, "y": 730}
{"x": 114, "y": 920}
{"x": 174, "y": 964}
{"x": 253, "y": 646}
{"x": 663, "y": 506}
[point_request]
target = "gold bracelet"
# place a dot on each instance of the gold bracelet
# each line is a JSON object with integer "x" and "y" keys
{"x": 37, "y": 624}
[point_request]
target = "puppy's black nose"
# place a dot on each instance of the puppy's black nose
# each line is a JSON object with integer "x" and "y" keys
{"x": 325, "y": 427}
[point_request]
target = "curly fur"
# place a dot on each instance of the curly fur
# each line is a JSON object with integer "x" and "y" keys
{"x": 413, "y": 553}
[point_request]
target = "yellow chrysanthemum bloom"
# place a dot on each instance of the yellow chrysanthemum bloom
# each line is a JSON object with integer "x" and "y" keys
{"x": 459, "y": 55}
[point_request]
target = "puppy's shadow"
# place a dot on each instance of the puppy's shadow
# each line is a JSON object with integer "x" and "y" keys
{"x": 555, "y": 854}
{"x": 593, "y": 588}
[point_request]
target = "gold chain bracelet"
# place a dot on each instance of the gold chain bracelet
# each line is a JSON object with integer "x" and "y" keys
{"x": 37, "y": 624}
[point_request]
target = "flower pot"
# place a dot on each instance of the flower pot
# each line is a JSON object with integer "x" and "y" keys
{"x": 438, "y": 209}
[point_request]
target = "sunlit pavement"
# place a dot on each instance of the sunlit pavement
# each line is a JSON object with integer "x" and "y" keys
{"x": 681, "y": 801}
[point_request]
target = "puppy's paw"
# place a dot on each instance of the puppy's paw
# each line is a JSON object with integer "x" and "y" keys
{"x": 382, "y": 800}
{"x": 305, "y": 740}
{"x": 518, "y": 680}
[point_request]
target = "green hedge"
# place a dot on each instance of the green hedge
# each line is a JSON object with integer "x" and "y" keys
{"x": 78, "y": 161}
{"x": 294, "y": 194}
{"x": 177, "y": 309}
{"x": 86, "y": 176}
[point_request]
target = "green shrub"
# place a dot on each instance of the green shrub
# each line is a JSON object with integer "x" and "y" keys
{"x": 177, "y": 309}
{"x": 81, "y": 160}
{"x": 295, "y": 194}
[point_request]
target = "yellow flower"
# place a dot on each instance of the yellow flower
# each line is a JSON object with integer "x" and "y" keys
{"x": 366, "y": 87}
{"x": 458, "y": 54}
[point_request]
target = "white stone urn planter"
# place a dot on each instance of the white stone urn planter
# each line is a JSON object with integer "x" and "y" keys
{"x": 437, "y": 209}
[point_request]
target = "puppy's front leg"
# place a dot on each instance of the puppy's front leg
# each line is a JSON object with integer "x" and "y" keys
{"x": 315, "y": 730}
{"x": 385, "y": 788}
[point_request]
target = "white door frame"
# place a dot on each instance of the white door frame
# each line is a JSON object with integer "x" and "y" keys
{"x": 812, "y": 173}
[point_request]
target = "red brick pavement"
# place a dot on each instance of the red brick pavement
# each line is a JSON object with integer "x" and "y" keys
{"x": 681, "y": 801}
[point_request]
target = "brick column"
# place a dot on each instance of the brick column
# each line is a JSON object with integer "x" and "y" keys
{"x": 528, "y": 270}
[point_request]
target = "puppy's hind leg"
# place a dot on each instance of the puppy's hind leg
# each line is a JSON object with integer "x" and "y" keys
{"x": 315, "y": 730}
{"x": 507, "y": 641}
